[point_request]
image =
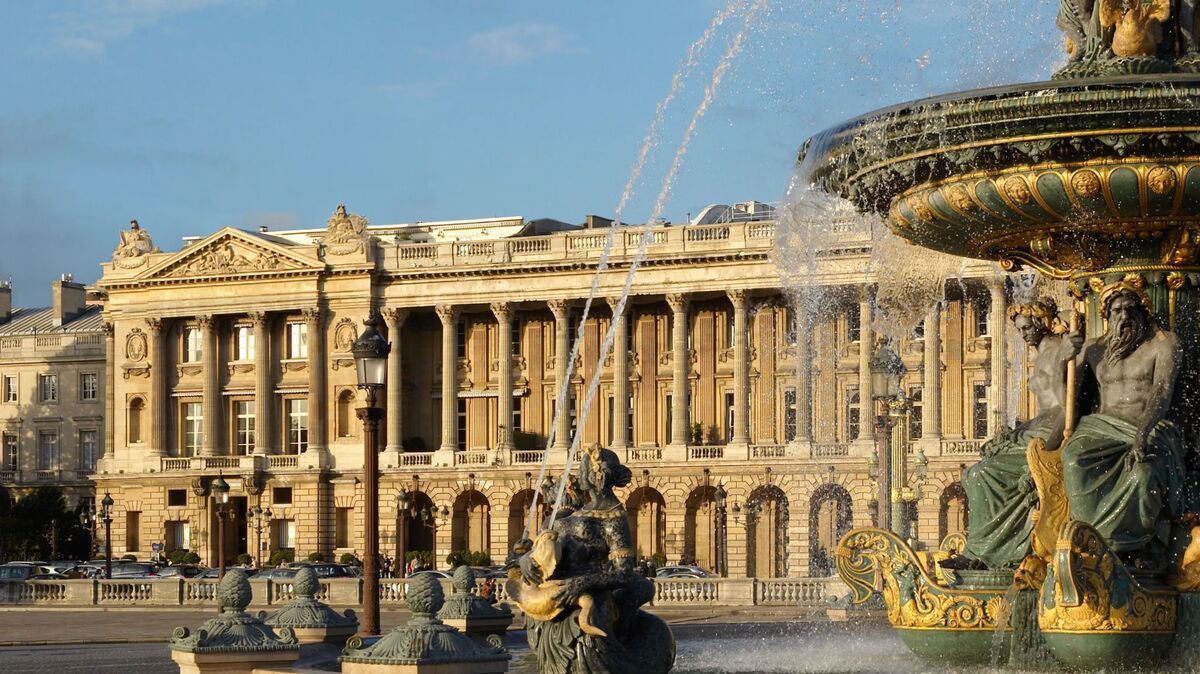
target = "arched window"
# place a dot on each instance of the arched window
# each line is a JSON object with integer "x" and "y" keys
{"x": 829, "y": 519}
{"x": 954, "y": 510}
{"x": 133, "y": 420}
{"x": 345, "y": 414}
{"x": 471, "y": 529}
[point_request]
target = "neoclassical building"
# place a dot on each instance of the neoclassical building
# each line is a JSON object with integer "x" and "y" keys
{"x": 231, "y": 356}
{"x": 52, "y": 391}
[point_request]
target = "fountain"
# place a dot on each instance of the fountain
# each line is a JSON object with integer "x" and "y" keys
{"x": 1092, "y": 179}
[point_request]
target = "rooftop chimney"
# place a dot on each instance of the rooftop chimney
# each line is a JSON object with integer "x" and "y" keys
{"x": 596, "y": 222}
{"x": 5, "y": 301}
{"x": 70, "y": 299}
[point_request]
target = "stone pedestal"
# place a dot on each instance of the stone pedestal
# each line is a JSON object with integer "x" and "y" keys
{"x": 470, "y": 614}
{"x": 310, "y": 620}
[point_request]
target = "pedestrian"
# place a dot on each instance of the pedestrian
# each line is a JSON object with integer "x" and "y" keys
{"x": 487, "y": 590}
{"x": 387, "y": 567}
{"x": 408, "y": 569}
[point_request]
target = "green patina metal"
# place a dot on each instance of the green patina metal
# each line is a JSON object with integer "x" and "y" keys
{"x": 234, "y": 630}
{"x": 464, "y": 603}
{"x": 305, "y": 611}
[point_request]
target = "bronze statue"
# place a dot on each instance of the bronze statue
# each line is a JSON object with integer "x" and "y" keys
{"x": 579, "y": 588}
{"x": 1123, "y": 465}
{"x": 999, "y": 487}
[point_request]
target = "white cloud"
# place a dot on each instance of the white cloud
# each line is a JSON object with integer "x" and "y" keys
{"x": 88, "y": 28}
{"x": 517, "y": 44}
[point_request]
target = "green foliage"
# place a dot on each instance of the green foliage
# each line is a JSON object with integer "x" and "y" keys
{"x": 525, "y": 442}
{"x": 316, "y": 557}
{"x": 244, "y": 559}
{"x": 128, "y": 558}
{"x": 659, "y": 559}
{"x": 470, "y": 558}
{"x": 348, "y": 558}
{"x": 697, "y": 432}
{"x": 40, "y": 526}
{"x": 178, "y": 555}
{"x": 191, "y": 558}
{"x": 282, "y": 555}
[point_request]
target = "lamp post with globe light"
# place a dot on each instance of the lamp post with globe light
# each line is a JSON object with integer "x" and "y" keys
{"x": 106, "y": 515}
{"x": 370, "y": 357}
{"x": 220, "y": 492}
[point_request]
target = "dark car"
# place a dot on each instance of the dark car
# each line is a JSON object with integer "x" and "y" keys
{"x": 215, "y": 572}
{"x": 324, "y": 569}
{"x": 181, "y": 570}
{"x": 278, "y": 573}
{"x": 134, "y": 570}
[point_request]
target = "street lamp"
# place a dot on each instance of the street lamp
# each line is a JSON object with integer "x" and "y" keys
{"x": 722, "y": 532}
{"x": 220, "y": 491}
{"x": 106, "y": 515}
{"x": 403, "y": 501}
{"x": 370, "y": 357}
{"x": 891, "y": 453}
{"x": 259, "y": 520}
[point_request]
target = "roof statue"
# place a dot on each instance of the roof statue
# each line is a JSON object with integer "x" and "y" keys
{"x": 134, "y": 247}
{"x": 345, "y": 233}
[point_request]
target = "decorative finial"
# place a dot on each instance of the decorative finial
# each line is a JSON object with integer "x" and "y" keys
{"x": 233, "y": 594}
{"x": 305, "y": 584}
{"x": 425, "y": 596}
{"x": 464, "y": 579}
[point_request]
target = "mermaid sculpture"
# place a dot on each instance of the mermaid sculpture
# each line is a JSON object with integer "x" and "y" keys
{"x": 580, "y": 591}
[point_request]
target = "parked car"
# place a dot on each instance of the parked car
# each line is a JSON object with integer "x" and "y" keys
{"x": 134, "y": 570}
{"x": 21, "y": 571}
{"x": 277, "y": 573}
{"x": 325, "y": 569}
{"x": 674, "y": 570}
{"x": 63, "y": 565}
{"x": 215, "y": 572}
{"x": 181, "y": 570}
{"x": 432, "y": 572}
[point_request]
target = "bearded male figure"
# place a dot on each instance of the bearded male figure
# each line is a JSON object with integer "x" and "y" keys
{"x": 1123, "y": 465}
{"x": 999, "y": 488}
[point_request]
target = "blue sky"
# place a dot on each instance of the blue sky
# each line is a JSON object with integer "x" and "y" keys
{"x": 190, "y": 115}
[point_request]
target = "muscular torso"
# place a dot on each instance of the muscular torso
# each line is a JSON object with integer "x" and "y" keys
{"x": 1127, "y": 386}
{"x": 1047, "y": 383}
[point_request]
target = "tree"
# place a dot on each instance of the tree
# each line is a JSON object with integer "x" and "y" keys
{"x": 40, "y": 526}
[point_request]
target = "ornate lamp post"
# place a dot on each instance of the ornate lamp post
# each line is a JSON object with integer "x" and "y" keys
{"x": 371, "y": 356}
{"x": 106, "y": 515}
{"x": 220, "y": 491}
{"x": 259, "y": 520}
{"x": 889, "y": 465}
{"x": 722, "y": 532}
{"x": 403, "y": 501}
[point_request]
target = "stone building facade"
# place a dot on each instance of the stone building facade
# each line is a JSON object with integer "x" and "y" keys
{"x": 231, "y": 356}
{"x": 52, "y": 392}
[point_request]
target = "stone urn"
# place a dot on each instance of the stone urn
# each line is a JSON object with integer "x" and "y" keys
{"x": 310, "y": 620}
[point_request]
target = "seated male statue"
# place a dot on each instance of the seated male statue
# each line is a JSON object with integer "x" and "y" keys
{"x": 1123, "y": 465}
{"x": 999, "y": 488}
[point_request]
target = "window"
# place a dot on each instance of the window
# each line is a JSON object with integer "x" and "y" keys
{"x": 630, "y": 330}
{"x": 667, "y": 418}
{"x": 980, "y": 411}
{"x": 573, "y": 329}
{"x": 853, "y": 418}
{"x": 133, "y": 421}
{"x": 88, "y": 444}
{"x": 286, "y": 534}
{"x": 193, "y": 345}
{"x": 133, "y": 531}
{"x": 919, "y": 331}
{"x": 177, "y": 498}
{"x": 179, "y": 535}
{"x": 460, "y": 338}
{"x": 193, "y": 428}
{"x": 516, "y": 408}
{"x": 915, "y": 429}
{"x": 47, "y": 450}
{"x": 572, "y": 411}
{"x": 89, "y": 386}
{"x": 341, "y": 527}
{"x": 243, "y": 348}
{"x": 10, "y": 388}
{"x": 729, "y": 416}
{"x": 281, "y": 495}
{"x": 243, "y": 417}
{"x": 297, "y": 425}
{"x": 345, "y": 414}
{"x": 853, "y": 325}
{"x": 789, "y": 415}
{"x": 729, "y": 325}
{"x": 48, "y": 388}
{"x": 461, "y": 427}
{"x": 297, "y": 340}
{"x": 12, "y": 452}
{"x": 609, "y": 428}
{"x": 789, "y": 326}
{"x": 983, "y": 316}
{"x": 515, "y": 338}
{"x": 629, "y": 420}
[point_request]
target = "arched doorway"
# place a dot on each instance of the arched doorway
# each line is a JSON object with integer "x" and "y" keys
{"x": 953, "y": 511}
{"x": 416, "y": 526}
{"x": 766, "y": 514}
{"x": 829, "y": 518}
{"x": 647, "y": 521}
{"x": 518, "y": 515}
{"x": 471, "y": 527}
{"x": 703, "y": 530}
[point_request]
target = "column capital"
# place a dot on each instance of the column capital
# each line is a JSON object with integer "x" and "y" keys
{"x": 559, "y": 307}
{"x": 155, "y": 325}
{"x": 678, "y": 302}
{"x": 998, "y": 287}
{"x": 312, "y": 315}
{"x": 614, "y": 302}
{"x": 258, "y": 318}
{"x": 737, "y": 297}
{"x": 394, "y": 317}
{"x": 448, "y": 313}
{"x": 109, "y": 329}
{"x": 501, "y": 310}
{"x": 205, "y": 321}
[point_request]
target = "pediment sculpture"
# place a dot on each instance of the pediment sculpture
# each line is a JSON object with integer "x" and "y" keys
{"x": 345, "y": 233}
{"x": 135, "y": 247}
{"x": 227, "y": 258}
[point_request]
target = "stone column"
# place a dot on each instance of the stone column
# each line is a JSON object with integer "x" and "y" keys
{"x": 741, "y": 369}
{"x": 158, "y": 387}
{"x": 211, "y": 347}
{"x": 394, "y": 319}
{"x": 866, "y": 349}
{"x": 620, "y": 356}
{"x": 316, "y": 380}
{"x": 449, "y": 316}
{"x": 931, "y": 393}
{"x": 679, "y": 362}
{"x": 999, "y": 390}
{"x": 562, "y": 356}
{"x": 803, "y": 378}
{"x": 504, "y": 384}
{"x": 263, "y": 397}
{"x": 110, "y": 392}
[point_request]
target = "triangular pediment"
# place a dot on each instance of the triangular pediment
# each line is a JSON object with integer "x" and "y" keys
{"x": 230, "y": 252}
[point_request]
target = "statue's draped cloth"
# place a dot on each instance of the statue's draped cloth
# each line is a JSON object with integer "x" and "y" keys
{"x": 1129, "y": 506}
{"x": 1001, "y": 495}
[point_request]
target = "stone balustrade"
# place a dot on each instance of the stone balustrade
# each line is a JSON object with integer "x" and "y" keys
{"x": 798, "y": 592}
